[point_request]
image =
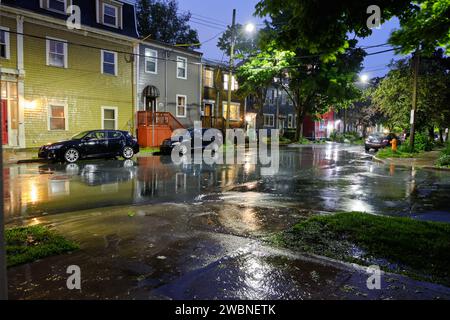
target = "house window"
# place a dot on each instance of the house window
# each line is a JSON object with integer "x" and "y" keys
{"x": 57, "y": 53}
{"x": 57, "y": 5}
{"x": 151, "y": 61}
{"x": 181, "y": 106}
{"x": 269, "y": 120}
{"x": 322, "y": 125}
{"x": 234, "y": 83}
{"x": 290, "y": 121}
{"x": 181, "y": 68}
{"x": 234, "y": 111}
{"x": 4, "y": 43}
{"x": 209, "y": 78}
{"x": 110, "y": 15}
{"x": 109, "y": 118}
{"x": 109, "y": 62}
{"x": 57, "y": 117}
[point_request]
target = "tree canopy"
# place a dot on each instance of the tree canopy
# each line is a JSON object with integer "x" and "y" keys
{"x": 393, "y": 95}
{"x": 326, "y": 28}
{"x": 428, "y": 25}
{"x": 244, "y": 43}
{"x": 161, "y": 20}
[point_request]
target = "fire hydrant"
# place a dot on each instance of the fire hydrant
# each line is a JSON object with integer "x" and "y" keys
{"x": 394, "y": 145}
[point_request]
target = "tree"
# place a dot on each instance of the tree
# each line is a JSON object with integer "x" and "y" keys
{"x": 428, "y": 25}
{"x": 160, "y": 20}
{"x": 325, "y": 28}
{"x": 393, "y": 95}
{"x": 257, "y": 74}
{"x": 366, "y": 113}
{"x": 244, "y": 43}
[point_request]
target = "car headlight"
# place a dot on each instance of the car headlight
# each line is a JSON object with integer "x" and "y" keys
{"x": 55, "y": 147}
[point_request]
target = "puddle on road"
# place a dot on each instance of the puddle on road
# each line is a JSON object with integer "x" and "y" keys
{"x": 329, "y": 178}
{"x": 175, "y": 252}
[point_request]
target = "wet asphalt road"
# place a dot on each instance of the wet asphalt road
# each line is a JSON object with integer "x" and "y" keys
{"x": 193, "y": 231}
{"x": 321, "y": 178}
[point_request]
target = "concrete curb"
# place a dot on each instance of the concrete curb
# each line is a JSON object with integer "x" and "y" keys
{"x": 436, "y": 168}
{"x": 425, "y": 167}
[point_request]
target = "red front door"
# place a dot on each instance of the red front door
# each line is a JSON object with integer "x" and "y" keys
{"x": 4, "y": 122}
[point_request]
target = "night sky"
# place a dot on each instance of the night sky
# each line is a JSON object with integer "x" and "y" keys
{"x": 211, "y": 17}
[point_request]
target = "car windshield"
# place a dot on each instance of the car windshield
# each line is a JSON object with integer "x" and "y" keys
{"x": 80, "y": 135}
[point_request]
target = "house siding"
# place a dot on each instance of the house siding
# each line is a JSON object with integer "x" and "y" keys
{"x": 81, "y": 86}
{"x": 219, "y": 96}
{"x": 167, "y": 73}
{"x": 10, "y": 23}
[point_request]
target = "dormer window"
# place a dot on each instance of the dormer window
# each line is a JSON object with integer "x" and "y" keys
{"x": 109, "y": 13}
{"x": 59, "y": 6}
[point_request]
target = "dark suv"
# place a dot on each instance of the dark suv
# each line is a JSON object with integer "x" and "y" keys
{"x": 92, "y": 144}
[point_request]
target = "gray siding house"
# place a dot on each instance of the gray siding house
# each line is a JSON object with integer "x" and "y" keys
{"x": 169, "y": 79}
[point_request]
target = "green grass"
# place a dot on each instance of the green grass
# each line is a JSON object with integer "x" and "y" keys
{"x": 388, "y": 153}
{"x": 416, "y": 248}
{"x": 149, "y": 150}
{"x": 27, "y": 244}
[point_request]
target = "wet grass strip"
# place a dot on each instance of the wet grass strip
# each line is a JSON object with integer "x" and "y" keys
{"x": 388, "y": 153}
{"x": 419, "y": 249}
{"x": 28, "y": 244}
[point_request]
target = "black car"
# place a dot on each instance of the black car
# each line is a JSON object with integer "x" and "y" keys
{"x": 168, "y": 144}
{"x": 379, "y": 141}
{"x": 92, "y": 144}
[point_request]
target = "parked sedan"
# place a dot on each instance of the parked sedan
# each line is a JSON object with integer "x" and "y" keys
{"x": 168, "y": 145}
{"x": 92, "y": 144}
{"x": 379, "y": 141}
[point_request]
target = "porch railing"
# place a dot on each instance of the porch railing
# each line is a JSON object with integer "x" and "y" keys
{"x": 147, "y": 119}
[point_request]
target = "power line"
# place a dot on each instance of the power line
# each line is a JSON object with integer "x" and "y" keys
{"x": 209, "y": 18}
{"x": 207, "y": 25}
{"x": 200, "y": 43}
{"x": 100, "y": 48}
{"x": 209, "y": 22}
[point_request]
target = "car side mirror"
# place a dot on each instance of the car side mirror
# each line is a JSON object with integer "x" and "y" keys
{"x": 180, "y": 139}
{"x": 213, "y": 139}
{"x": 87, "y": 138}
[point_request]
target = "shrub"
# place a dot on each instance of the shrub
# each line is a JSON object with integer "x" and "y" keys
{"x": 337, "y": 137}
{"x": 443, "y": 161}
{"x": 446, "y": 151}
{"x": 422, "y": 142}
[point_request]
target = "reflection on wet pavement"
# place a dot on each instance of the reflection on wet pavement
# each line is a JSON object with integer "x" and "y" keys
{"x": 194, "y": 230}
{"x": 164, "y": 253}
{"x": 323, "y": 178}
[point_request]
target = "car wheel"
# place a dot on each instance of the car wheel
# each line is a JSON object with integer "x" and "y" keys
{"x": 128, "y": 153}
{"x": 71, "y": 155}
{"x": 367, "y": 149}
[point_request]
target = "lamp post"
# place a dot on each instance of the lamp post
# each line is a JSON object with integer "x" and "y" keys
{"x": 249, "y": 28}
{"x": 231, "y": 66}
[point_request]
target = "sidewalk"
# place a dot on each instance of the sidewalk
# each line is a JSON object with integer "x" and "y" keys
{"x": 12, "y": 156}
{"x": 425, "y": 160}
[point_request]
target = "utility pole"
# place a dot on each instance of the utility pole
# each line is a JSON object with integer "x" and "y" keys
{"x": 416, "y": 62}
{"x": 231, "y": 66}
{"x": 3, "y": 274}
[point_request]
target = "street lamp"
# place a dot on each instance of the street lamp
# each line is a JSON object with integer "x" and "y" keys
{"x": 250, "y": 28}
{"x": 364, "y": 78}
